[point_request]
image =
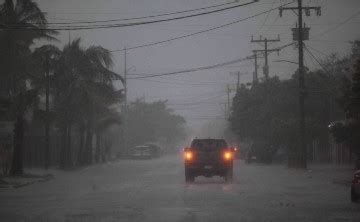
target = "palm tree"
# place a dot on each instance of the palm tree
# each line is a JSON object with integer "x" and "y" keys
{"x": 83, "y": 86}
{"x": 105, "y": 118}
{"x": 45, "y": 61}
{"x": 21, "y": 23}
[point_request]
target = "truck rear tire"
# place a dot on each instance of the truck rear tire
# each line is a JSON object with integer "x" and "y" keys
{"x": 354, "y": 197}
{"x": 189, "y": 177}
{"x": 229, "y": 175}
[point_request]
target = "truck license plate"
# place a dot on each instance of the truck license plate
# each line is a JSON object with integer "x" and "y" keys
{"x": 208, "y": 167}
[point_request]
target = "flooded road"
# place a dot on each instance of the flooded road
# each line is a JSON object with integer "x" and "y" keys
{"x": 154, "y": 190}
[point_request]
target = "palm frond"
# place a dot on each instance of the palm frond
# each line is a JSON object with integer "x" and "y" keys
{"x": 108, "y": 120}
{"x": 7, "y": 13}
{"x": 107, "y": 75}
{"x": 46, "y": 51}
{"x": 29, "y": 11}
{"x": 99, "y": 55}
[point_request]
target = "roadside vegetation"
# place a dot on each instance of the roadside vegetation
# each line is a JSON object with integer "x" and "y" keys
{"x": 82, "y": 102}
{"x": 154, "y": 122}
{"x": 268, "y": 111}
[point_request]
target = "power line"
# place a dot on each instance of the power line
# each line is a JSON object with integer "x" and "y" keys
{"x": 326, "y": 55}
{"x": 341, "y": 23}
{"x": 192, "y": 95}
{"x": 141, "y": 17}
{"x": 201, "y": 68}
{"x": 199, "y": 102}
{"x": 177, "y": 83}
{"x": 143, "y": 76}
{"x": 314, "y": 24}
{"x": 275, "y": 20}
{"x": 307, "y": 45}
{"x": 314, "y": 57}
{"x": 267, "y": 15}
{"x": 200, "y": 32}
{"x": 196, "y": 33}
{"x": 62, "y": 28}
{"x": 192, "y": 70}
{"x": 204, "y": 118}
{"x": 183, "y": 83}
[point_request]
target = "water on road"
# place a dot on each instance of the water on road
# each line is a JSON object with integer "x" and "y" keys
{"x": 154, "y": 190}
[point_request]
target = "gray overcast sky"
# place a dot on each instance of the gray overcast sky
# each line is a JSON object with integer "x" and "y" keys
{"x": 198, "y": 95}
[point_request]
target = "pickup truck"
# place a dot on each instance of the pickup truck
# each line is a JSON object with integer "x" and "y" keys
{"x": 208, "y": 157}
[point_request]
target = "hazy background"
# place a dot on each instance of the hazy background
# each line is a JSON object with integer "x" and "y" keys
{"x": 199, "y": 96}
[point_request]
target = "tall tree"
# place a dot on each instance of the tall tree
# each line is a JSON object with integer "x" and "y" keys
{"x": 83, "y": 88}
{"x": 348, "y": 130}
{"x": 22, "y": 22}
{"x": 45, "y": 61}
{"x": 267, "y": 112}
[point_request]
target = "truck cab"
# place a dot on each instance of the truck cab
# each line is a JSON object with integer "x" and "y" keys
{"x": 208, "y": 157}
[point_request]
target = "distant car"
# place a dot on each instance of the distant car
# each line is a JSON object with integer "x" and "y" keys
{"x": 355, "y": 187}
{"x": 155, "y": 150}
{"x": 141, "y": 152}
{"x": 260, "y": 152}
{"x": 208, "y": 157}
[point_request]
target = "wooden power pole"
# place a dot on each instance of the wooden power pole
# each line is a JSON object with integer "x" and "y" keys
{"x": 265, "y": 51}
{"x": 125, "y": 126}
{"x": 300, "y": 34}
{"x": 228, "y": 101}
{"x": 238, "y": 74}
{"x": 255, "y": 76}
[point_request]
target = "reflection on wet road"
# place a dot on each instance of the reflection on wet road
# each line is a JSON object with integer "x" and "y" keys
{"x": 154, "y": 190}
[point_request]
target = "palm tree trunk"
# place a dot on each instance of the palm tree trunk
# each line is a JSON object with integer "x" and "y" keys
{"x": 88, "y": 147}
{"x": 17, "y": 161}
{"x": 47, "y": 145}
{"x": 80, "y": 155}
{"x": 97, "y": 148}
{"x": 47, "y": 121}
{"x": 68, "y": 159}
{"x": 63, "y": 146}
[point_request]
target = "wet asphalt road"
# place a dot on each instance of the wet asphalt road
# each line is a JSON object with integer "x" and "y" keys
{"x": 154, "y": 190}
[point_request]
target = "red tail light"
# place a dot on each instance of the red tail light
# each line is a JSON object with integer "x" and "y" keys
{"x": 188, "y": 155}
{"x": 228, "y": 155}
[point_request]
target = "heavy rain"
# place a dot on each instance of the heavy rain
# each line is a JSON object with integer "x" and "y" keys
{"x": 180, "y": 110}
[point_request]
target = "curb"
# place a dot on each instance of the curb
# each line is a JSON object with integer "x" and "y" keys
{"x": 20, "y": 185}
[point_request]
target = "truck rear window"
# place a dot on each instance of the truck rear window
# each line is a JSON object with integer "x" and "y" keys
{"x": 208, "y": 145}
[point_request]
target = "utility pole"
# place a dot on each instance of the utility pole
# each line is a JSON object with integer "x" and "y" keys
{"x": 69, "y": 35}
{"x": 47, "y": 116}
{"x": 229, "y": 89}
{"x": 300, "y": 35}
{"x": 266, "y": 52}
{"x": 238, "y": 74}
{"x": 228, "y": 100}
{"x": 125, "y": 102}
{"x": 238, "y": 82}
{"x": 225, "y": 110}
{"x": 255, "y": 76}
{"x": 302, "y": 142}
